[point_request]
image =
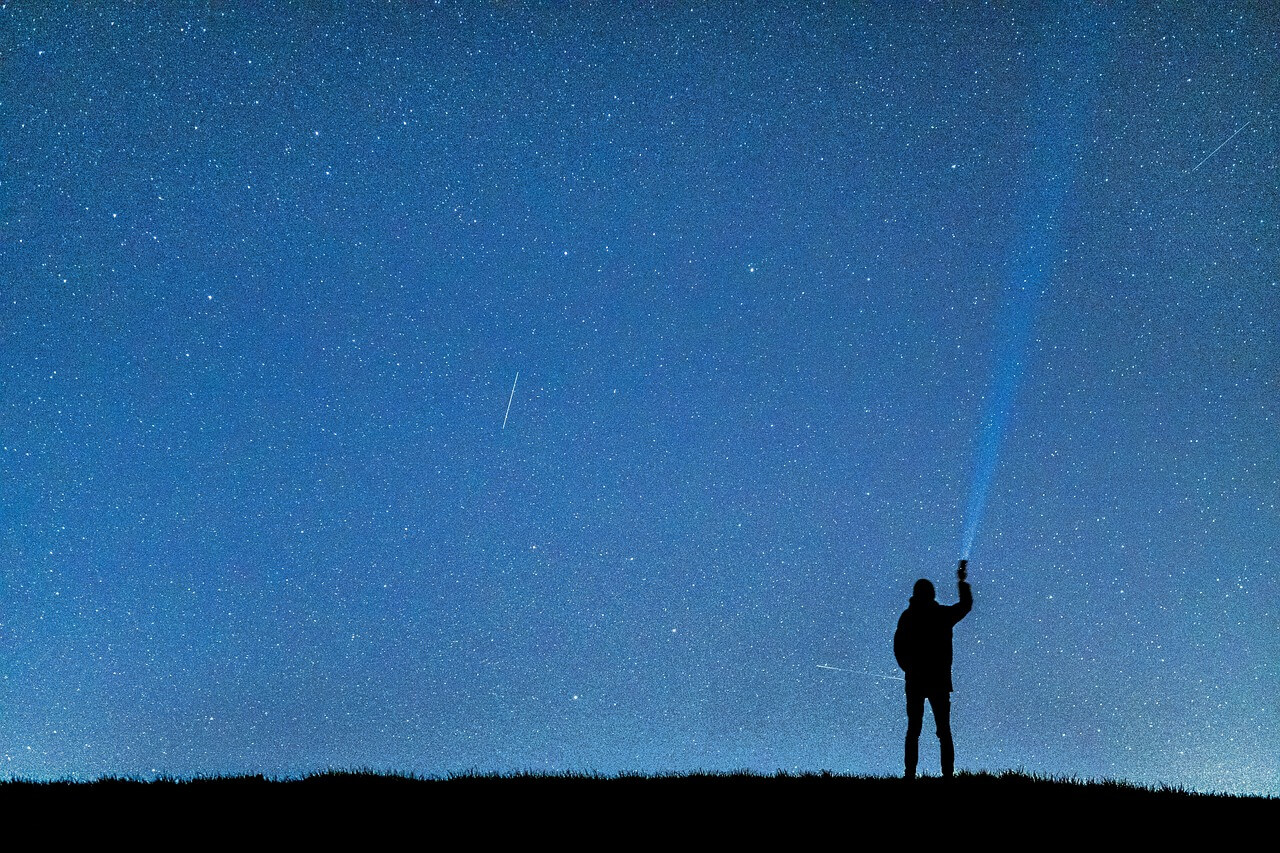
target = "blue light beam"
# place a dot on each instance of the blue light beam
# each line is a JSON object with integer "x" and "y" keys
{"x": 1066, "y": 84}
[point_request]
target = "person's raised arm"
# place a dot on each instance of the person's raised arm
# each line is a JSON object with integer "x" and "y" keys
{"x": 960, "y": 610}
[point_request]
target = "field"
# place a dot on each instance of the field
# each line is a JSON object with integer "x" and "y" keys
{"x": 649, "y": 810}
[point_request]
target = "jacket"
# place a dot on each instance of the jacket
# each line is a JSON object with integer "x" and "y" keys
{"x": 922, "y": 642}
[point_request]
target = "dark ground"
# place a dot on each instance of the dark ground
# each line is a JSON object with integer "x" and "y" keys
{"x": 634, "y": 811}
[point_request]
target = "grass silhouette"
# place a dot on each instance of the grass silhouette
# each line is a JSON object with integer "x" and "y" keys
{"x": 630, "y": 810}
{"x": 1006, "y": 784}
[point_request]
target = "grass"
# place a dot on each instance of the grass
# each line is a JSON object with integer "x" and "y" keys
{"x": 1009, "y": 783}
{"x": 637, "y": 810}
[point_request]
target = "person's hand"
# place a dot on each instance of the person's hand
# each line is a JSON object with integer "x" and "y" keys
{"x": 963, "y": 571}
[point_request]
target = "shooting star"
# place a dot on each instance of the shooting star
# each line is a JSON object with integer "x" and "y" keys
{"x": 509, "y": 399}
{"x": 1219, "y": 148}
{"x": 861, "y": 672}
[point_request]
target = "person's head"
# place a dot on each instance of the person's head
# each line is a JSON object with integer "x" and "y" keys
{"x": 923, "y": 591}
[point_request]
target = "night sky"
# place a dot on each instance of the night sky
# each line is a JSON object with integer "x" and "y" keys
{"x": 267, "y": 276}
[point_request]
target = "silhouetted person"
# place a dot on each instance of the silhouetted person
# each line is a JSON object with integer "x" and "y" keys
{"x": 922, "y": 645}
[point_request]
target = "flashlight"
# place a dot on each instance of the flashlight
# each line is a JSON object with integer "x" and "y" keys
{"x": 963, "y": 571}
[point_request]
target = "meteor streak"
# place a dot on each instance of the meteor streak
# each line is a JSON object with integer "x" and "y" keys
{"x": 861, "y": 672}
{"x": 509, "y": 399}
{"x": 1219, "y": 148}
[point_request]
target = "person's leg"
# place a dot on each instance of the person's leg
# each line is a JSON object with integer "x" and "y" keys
{"x": 941, "y": 705}
{"x": 915, "y": 721}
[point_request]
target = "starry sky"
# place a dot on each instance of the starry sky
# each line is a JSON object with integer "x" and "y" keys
{"x": 268, "y": 273}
